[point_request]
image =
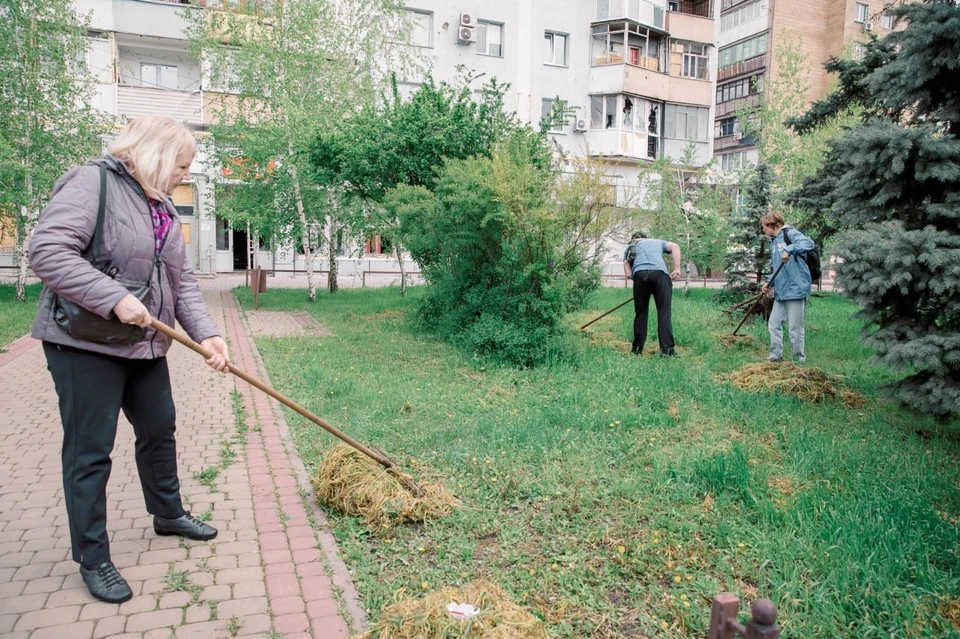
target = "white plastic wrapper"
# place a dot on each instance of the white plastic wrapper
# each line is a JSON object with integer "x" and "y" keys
{"x": 462, "y": 611}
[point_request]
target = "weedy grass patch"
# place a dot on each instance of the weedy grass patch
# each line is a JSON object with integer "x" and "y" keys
{"x": 613, "y": 495}
{"x": 16, "y": 317}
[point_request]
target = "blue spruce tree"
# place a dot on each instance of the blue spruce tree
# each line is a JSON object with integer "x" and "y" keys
{"x": 892, "y": 186}
{"x": 747, "y": 262}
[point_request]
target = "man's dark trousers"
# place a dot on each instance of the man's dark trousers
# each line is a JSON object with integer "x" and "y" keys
{"x": 660, "y": 286}
{"x": 92, "y": 389}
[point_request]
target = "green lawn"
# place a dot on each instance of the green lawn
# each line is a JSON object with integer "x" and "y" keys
{"x": 616, "y": 495}
{"x": 15, "y": 318}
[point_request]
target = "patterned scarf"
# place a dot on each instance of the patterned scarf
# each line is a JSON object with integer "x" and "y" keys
{"x": 161, "y": 223}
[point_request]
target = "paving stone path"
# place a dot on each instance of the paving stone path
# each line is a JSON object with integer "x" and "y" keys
{"x": 273, "y": 571}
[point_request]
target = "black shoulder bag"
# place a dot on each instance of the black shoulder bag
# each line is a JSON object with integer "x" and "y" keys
{"x": 80, "y": 323}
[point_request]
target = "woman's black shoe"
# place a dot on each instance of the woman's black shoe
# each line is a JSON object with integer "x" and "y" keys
{"x": 186, "y": 526}
{"x": 105, "y": 583}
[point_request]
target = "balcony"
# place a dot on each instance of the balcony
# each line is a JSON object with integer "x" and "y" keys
{"x": 642, "y": 11}
{"x": 701, "y": 8}
{"x": 731, "y": 107}
{"x": 157, "y": 18}
{"x": 182, "y": 106}
{"x": 617, "y": 142}
{"x": 684, "y": 26}
{"x": 744, "y": 66}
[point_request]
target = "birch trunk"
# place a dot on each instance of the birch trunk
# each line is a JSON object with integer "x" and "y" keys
{"x": 403, "y": 270}
{"x": 332, "y": 282}
{"x": 305, "y": 237}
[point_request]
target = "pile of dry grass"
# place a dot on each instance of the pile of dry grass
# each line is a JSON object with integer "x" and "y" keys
{"x": 737, "y": 341}
{"x": 354, "y": 484}
{"x": 499, "y": 617}
{"x": 809, "y": 384}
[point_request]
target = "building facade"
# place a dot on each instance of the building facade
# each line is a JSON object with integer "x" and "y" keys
{"x": 748, "y": 33}
{"x": 637, "y": 76}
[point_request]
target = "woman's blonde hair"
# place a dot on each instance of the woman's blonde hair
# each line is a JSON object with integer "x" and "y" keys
{"x": 149, "y": 146}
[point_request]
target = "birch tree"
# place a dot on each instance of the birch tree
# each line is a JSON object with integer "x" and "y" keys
{"x": 47, "y": 124}
{"x": 281, "y": 74}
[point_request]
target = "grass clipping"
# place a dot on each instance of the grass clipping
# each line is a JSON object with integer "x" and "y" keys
{"x": 499, "y": 617}
{"x": 354, "y": 484}
{"x": 809, "y": 384}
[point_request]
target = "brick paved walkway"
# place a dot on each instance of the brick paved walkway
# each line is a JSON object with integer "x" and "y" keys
{"x": 273, "y": 571}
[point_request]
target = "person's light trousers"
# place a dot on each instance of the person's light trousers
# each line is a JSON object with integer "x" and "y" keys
{"x": 792, "y": 312}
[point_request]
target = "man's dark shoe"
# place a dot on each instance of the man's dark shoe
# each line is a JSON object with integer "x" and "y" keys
{"x": 105, "y": 583}
{"x": 670, "y": 354}
{"x": 187, "y": 526}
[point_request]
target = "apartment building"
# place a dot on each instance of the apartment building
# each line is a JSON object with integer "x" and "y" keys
{"x": 748, "y": 32}
{"x": 637, "y": 74}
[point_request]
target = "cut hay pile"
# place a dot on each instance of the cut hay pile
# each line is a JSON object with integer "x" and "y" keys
{"x": 354, "y": 484}
{"x": 499, "y": 617}
{"x": 736, "y": 341}
{"x": 809, "y": 384}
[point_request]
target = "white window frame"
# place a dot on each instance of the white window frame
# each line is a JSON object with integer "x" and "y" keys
{"x": 551, "y": 37}
{"x": 733, "y": 127}
{"x": 695, "y": 65}
{"x": 418, "y": 15}
{"x": 159, "y": 76}
{"x": 546, "y": 107}
{"x": 863, "y": 13}
{"x": 483, "y": 37}
{"x": 886, "y": 20}
{"x": 689, "y": 123}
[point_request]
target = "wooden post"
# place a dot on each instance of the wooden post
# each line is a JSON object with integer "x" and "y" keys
{"x": 724, "y": 622}
{"x": 255, "y": 284}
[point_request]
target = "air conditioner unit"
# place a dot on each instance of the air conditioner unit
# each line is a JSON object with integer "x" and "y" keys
{"x": 868, "y": 26}
{"x": 467, "y": 20}
{"x": 738, "y": 135}
{"x": 580, "y": 126}
{"x": 466, "y": 35}
{"x": 673, "y": 6}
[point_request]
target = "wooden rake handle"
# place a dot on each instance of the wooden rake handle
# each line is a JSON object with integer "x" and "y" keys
{"x": 757, "y": 301}
{"x": 184, "y": 339}
{"x": 618, "y": 306}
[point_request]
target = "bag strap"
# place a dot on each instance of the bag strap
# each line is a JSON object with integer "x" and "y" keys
{"x": 97, "y": 242}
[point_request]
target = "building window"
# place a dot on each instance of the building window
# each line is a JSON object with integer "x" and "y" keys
{"x": 696, "y": 61}
{"x": 619, "y": 42}
{"x": 223, "y": 234}
{"x": 739, "y": 89}
{"x": 741, "y": 51}
{"x": 726, "y": 127}
{"x": 627, "y": 113}
{"x": 859, "y": 50}
{"x": 685, "y": 123}
{"x": 162, "y": 76}
{"x": 733, "y": 161}
{"x": 555, "y": 48}
{"x": 863, "y": 13}
{"x": 741, "y": 16}
{"x": 490, "y": 38}
{"x": 422, "y": 32}
{"x": 886, "y": 21}
{"x": 546, "y": 111}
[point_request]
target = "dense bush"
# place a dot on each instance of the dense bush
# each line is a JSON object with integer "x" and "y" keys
{"x": 504, "y": 257}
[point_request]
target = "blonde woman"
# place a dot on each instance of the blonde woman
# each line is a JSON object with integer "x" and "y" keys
{"x": 103, "y": 281}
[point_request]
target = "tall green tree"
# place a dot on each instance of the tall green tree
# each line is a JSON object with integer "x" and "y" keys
{"x": 895, "y": 181}
{"x": 747, "y": 260}
{"x": 405, "y": 142}
{"x": 790, "y": 157}
{"x": 283, "y": 73}
{"x": 47, "y": 125}
{"x": 686, "y": 204}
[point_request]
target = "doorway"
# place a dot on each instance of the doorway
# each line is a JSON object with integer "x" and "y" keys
{"x": 240, "y": 257}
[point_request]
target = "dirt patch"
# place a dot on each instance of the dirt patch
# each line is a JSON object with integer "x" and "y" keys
{"x": 283, "y": 324}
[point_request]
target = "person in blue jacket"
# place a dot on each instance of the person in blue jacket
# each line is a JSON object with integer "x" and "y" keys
{"x": 791, "y": 288}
